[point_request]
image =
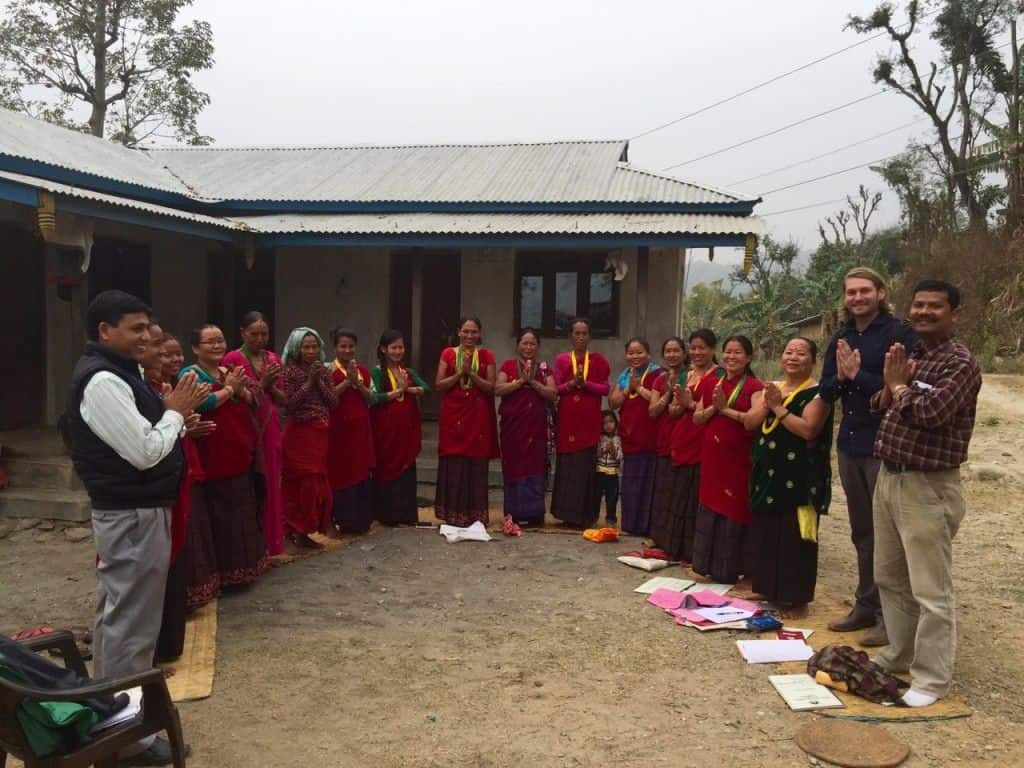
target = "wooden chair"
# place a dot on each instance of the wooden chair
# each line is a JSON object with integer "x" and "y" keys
{"x": 158, "y": 713}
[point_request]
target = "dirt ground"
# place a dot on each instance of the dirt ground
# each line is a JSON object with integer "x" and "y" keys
{"x": 402, "y": 650}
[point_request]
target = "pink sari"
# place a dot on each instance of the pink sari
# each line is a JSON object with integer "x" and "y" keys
{"x": 270, "y": 441}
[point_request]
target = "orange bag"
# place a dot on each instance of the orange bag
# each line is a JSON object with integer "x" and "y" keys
{"x": 601, "y": 535}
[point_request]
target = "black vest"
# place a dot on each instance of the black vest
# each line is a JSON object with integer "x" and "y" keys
{"x": 111, "y": 481}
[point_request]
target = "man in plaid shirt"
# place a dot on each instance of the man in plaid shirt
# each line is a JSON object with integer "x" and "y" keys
{"x": 927, "y": 407}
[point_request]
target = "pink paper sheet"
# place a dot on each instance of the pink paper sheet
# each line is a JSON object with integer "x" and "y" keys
{"x": 666, "y": 599}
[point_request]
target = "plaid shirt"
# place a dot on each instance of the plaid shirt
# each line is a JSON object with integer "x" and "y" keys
{"x": 928, "y": 426}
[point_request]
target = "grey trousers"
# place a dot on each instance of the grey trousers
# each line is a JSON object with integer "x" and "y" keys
{"x": 134, "y": 547}
{"x": 917, "y": 515}
{"x": 858, "y": 475}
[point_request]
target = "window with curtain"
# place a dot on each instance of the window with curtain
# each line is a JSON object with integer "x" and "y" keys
{"x": 552, "y": 287}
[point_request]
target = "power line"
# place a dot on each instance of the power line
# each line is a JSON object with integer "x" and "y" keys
{"x": 807, "y": 119}
{"x": 831, "y": 152}
{"x": 803, "y": 207}
{"x": 787, "y": 127}
{"x": 828, "y": 175}
{"x": 769, "y": 81}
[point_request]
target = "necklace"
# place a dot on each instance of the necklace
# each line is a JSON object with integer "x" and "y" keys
{"x": 575, "y": 365}
{"x": 736, "y": 391}
{"x": 643, "y": 376}
{"x": 466, "y": 381}
{"x": 252, "y": 362}
{"x": 394, "y": 382}
{"x": 767, "y": 428}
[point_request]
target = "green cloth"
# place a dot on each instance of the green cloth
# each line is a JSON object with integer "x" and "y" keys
{"x": 787, "y": 472}
{"x": 52, "y": 727}
{"x": 380, "y": 386}
{"x": 202, "y": 377}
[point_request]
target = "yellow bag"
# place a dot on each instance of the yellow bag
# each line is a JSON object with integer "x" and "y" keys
{"x": 807, "y": 521}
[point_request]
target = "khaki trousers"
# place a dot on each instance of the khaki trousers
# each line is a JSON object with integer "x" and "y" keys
{"x": 917, "y": 514}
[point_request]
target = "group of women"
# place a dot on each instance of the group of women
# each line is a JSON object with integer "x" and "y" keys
{"x": 720, "y": 470}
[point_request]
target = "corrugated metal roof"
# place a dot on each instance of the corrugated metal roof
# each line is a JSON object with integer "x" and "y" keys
{"x": 505, "y": 224}
{"x": 558, "y": 172}
{"x": 570, "y": 172}
{"x": 30, "y": 139}
{"x": 119, "y": 202}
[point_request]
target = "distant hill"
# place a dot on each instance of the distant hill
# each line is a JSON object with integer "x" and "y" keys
{"x": 704, "y": 271}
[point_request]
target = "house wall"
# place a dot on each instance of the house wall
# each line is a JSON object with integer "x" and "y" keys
{"x": 324, "y": 288}
{"x": 488, "y": 291}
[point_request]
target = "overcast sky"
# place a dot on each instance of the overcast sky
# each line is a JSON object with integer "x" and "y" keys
{"x": 330, "y": 72}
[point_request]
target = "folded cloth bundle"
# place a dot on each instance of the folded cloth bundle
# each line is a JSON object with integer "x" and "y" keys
{"x": 601, "y": 535}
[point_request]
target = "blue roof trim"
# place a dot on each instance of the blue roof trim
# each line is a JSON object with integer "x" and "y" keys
{"x": 520, "y": 241}
{"x": 19, "y": 193}
{"x": 184, "y": 202}
{"x": 99, "y": 210}
{"x": 93, "y": 182}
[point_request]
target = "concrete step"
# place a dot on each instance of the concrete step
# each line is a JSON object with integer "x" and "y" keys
{"x": 67, "y": 505}
{"x": 41, "y": 472}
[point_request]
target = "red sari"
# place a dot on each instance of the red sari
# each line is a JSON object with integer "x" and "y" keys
{"x": 579, "y": 410}
{"x": 228, "y": 451}
{"x": 639, "y": 432}
{"x": 350, "y": 455}
{"x": 397, "y": 430}
{"x": 467, "y": 425}
{"x": 665, "y": 423}
{"x": 268, "y": 425}
{"x": 524, "y": 426}
{"x": 688, "y": 438}
{"x": 725, "y": 457}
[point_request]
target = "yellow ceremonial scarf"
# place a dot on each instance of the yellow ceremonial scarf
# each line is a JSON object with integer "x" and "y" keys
{"x": 767, "y": 428}
{"x": 575, "y": 365}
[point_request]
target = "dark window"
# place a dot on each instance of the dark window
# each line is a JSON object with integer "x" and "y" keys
{"x": 552, "y": 287}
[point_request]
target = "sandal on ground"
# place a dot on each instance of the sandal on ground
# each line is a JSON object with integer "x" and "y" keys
{"x": 511, "y": 528}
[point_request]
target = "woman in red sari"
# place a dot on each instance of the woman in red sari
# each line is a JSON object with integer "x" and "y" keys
{"x": 631, "y": 396}
{"x": 663, "y": 392}
{"x": 227, "y": 456}
{"x": 198, "y": 555}
{"x": 467, "y": 429}
{"x": 526, "y": 386}
{"x": 581, "y": 378}
{"x": 723, "y": 517}
{"x": 309, "y": 398}
{"x": 264, "y": 367}
{"x": 350, "y": 440}
{"x": 687, "y": 440}
{"x": 397, "y": 432}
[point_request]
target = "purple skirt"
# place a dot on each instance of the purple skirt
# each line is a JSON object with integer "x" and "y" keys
{"x": 524, "y": 500}
{"x": 637, "y": 491}
{"x": 352, "y": 511}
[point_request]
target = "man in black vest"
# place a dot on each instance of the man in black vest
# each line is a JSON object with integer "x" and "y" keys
{"x": 125, "y": 445}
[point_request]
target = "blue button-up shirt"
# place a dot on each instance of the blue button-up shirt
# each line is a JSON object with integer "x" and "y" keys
{"x": 857, "y": 427}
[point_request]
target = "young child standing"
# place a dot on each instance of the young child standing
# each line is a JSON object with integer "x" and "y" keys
{"x": 609, "y": 466}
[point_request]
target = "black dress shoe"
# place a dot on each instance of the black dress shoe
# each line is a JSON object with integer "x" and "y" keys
{"x": 853, "y": 621}
{"x": 157, "y": 753}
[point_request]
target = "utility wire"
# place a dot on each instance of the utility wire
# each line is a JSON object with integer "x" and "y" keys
{"x": 803, "y": 207}
{"x": 796, "y": 123}
{"x": 787, "y": 127}
{"x": 769, "y": 81}
{"x": 831, "y": 152}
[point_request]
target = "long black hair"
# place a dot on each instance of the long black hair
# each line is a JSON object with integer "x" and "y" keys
{"x": 387, "y": 338}
{"x": 255, "y": 316}
{"x": 748, "y": 347}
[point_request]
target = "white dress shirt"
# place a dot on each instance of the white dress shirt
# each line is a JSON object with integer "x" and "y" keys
{"x": 108, "y": 408}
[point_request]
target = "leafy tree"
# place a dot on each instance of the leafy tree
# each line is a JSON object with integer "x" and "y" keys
{"x": 955, "y": 94}
{"x": 126, "y": 60}
{"x": 772, "y": 299}
{"x": 705, "y": 308}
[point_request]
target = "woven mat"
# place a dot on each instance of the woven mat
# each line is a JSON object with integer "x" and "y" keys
{"x": 193, "y": 671}
{"x": 851, "y": 745}
{"x": 828, "y": 607}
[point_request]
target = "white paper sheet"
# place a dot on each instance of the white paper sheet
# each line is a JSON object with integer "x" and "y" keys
{"x": 774, "y": 651}
{"x": 131, "y": 709}
{"x": 723, "y": 614}
{"x": 718, "y": 589}
{"x": 664, "y": 582}
{"x": 475, "y": 532}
